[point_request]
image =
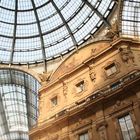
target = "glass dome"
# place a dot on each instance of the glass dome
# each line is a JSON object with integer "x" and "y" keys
{"x": 32, "y": 31}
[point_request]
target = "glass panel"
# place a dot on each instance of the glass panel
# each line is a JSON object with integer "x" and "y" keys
{"x": 8, "y": 19}
{"x": 19, "y": 104}
{"x": 71, "y": 7}
{"x": 84, "y": 136}
{"x": 8, "y": 4}
{"x": 114, "y": 69}
{"x": 130, "y": 127}
{"x": 24, "y": 5}
{"x": 68, "y": 24}
{"x": 111, "y": 69}
{"x": 124, "y": 129}
{"x": 131, "y": 19}
{"x": 26, "y": 18}
{"x": 127, "y": 128}
{"x": 103, "y": 6}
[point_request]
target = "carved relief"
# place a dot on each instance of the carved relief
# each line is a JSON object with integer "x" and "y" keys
{"x": 92, "y": 73}
{"x": 101, "y": 128}
{"x": 66, "y": 138}
{"x": 65, "y": 88}
{"x": 126, "y": 54}
{"x": 71, "y": 64}
{"x": 120, "y": 105}
{"x": 81, "y": 124}
{"x": 102, "y": 133}
{"x": 44, "y": 77}
{"x": 53, "y": 137}
{"x": 93, "y": 51}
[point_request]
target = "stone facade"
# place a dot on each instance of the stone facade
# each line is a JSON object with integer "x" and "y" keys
{"x": 91, "y": 91}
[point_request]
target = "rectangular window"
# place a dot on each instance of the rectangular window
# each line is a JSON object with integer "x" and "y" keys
{"x": 80, "y": 86}
{"x": 54, "y": 101}
{"x": 127, "y": 128}
{"x": 111, "y": 69}
{"x": 84, "y": 136}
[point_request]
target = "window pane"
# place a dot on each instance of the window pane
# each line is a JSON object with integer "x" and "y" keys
{"x": 111, "y": 69}
{"x": 127, "y": 128}
{"x": 130, "y": 127}
{"x": 114, "y": 69}
{"x": 84, "y": 136}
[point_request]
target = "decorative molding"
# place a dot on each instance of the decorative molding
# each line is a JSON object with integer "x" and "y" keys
{"x": 53, "y": 137}
{"x": 101, "y": 128}
{"x": 45, "y": 76}
{"x": 100, "y": 125}
{"x": 71, "y": 64}
{"x": 124, "y": 106}
{"x": 99, "y": 95}
{"x": 93, "y": 51}
{"x": 81, "y": 125}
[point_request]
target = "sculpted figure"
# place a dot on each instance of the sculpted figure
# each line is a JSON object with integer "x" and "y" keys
{"x": 92, "y": 73}
{"x": 126, "y": 54}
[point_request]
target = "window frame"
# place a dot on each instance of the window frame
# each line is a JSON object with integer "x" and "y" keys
{"x": 111, "y": 69}
{"x": 78, "y": 86}
{"x": 120, "y": 129}
{"x": 106, "y": 67}
{"x": 83, "y": 133}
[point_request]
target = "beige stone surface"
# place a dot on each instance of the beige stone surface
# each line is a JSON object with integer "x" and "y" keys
{"x": 95, "y": 109}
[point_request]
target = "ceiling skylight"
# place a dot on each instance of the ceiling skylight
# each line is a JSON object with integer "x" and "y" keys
{"x": 36, "y": 30}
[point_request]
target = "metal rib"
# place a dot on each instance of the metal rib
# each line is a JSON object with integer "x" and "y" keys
{"x": 97, "y": 12}
{"x": 14, "y": 33}
{"x": 40, "y": 35}
{"x": 65, "y": 23}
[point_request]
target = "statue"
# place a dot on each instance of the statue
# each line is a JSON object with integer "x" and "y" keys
{"x": 92, "y": 73}
{"x": 113, "y": 31}
{"x": 126, "y": 54}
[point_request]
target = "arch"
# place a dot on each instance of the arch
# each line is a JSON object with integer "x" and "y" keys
{"x": 12, "y": 82}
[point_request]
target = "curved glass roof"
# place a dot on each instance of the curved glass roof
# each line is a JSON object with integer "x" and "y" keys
{"x": 18, "y": 104}
{"x": 32, "y": 31}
